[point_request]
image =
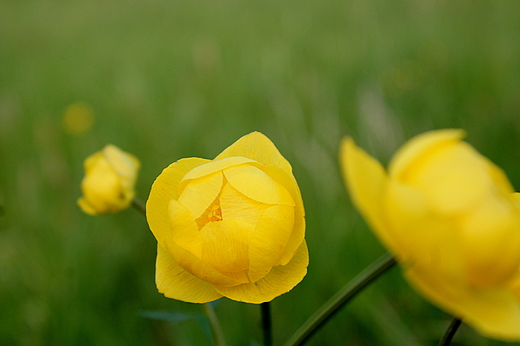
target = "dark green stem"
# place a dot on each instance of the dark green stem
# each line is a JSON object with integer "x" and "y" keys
{"x": 266, "y": 324}
{"x": 356, "y": 285}
{"x": 139, "y": 205}
{"x": 450, "y": 332}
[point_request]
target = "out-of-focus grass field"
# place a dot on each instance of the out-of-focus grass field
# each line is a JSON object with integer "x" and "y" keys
{"x": 166, "y": 79}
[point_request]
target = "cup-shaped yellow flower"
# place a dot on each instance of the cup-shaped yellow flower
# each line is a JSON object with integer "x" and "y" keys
{"x": 451, "y": 218}
{"x": 108, "y": 185}
{"x": 233, "y": 226}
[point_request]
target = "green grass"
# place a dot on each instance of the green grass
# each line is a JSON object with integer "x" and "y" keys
{"x": 168, "y": 79}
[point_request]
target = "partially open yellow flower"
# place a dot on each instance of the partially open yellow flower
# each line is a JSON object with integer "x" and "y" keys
{"x": 108, "y": 185}
{"x": 233, "y": 226}
{"x": 452, "y": 220}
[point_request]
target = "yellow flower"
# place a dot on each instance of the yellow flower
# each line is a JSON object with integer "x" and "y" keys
{"x": 108, "y": 185}
{"x": 451, "y": 218}
{"x": 78, "y": 118}
{"x": 233, "y": 226}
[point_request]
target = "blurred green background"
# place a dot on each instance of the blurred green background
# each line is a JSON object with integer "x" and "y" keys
{"x": 166, "y": 79}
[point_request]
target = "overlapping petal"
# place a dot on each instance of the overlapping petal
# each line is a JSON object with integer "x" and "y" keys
{"x": 225, "y": 245}
{"x": 124, "y": 164}
{"x": 286, "y": 179}
{"x": 420, "y": 147}
{"x": 236, "y": 206}
{"x": 366, "y": 181}
{"x": 255, "y": 184}
{"x": 183, "y": 229}
{"x": 212, "y": 167}
{"x": 258, "y": 147}
{"x": 197, "y": 267}
{"x": 417, "y": 235}
{"x": 268, "y": 240}
{"x": 174, "y": 282}
{"x": 279, "y": 280}
{"x": 491, "y": 231}
{"x": 200, "y": 193}
{"x": 493, "y": 312}
{"x": 165, "y": 189}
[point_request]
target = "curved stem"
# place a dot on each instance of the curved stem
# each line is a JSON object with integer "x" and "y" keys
{"x": 218, "y": 335}
{"x": 356, "y": 285}
{"x": 139, "y": 205}
{"x": 266, "y": 324}
{"x": 450, "y": 332}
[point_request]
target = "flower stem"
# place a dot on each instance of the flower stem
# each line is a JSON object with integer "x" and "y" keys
{"x": 218, "y": 335}
{"x": 266, "y": 324}
{"x": 356, "y": 285}
{"x": 139, "y": 205}
{"x": 450, "y": 332}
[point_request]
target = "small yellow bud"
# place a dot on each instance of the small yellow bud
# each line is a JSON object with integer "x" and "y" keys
{"x": 108, "y": 185}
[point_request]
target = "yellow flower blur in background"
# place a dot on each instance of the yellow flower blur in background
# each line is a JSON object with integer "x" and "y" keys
{"x": 233, "y": 226}
{"x": 108, "y": 185}
{"x": 78, "y": 118}
{"x": 451, "y": 218}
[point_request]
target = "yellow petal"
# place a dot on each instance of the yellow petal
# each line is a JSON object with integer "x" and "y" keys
{"x": 184, "y": 230}
{"x": 240, "y": 276}
{"x": 257, "y": 185}
{"x": 211, "y": 167}
{"x": 174, "y": 282}
{"x": 201, "y": 192}
{"x": 366, "y": 181}
{"x": 297, "y": 236}
{"x": 287, "y": 180}
{"x": 197, "y": 267}
{"x": 419, "y": 147}
{"x": 418, "y": 236}
{"x": 164, "y": 189}
{"x": 258, "y": 147}
{"x": 453, "y": 176}
{"x": 280, "y": 280}
{"x": 86, "y": 207}
{"x": 493, "y": 312}
{"x": 501, "y": 181}
{"x": 515, "y": 198}
{"x": 236, "y": 206}
{"x": 125, "y": 164}
{"x": 91, "y": 161}
{"x": 268, "y": 240}
{"x": 491, "y": 242}
{"x": 225, "y": 244}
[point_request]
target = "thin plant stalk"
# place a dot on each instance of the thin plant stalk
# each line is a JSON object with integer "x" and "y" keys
{"x": 216, "y": 329}
{"x": 330, "y": 308}
{"x": 450, "y": 331}
{"x": 139, "y": 205}
{"x": 267, "y": 324}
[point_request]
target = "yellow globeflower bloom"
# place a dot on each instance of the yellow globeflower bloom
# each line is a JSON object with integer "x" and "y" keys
{"x": 452, "y": 220}
{"x": 108, "y": 185}
{"x": 233, "y": 226}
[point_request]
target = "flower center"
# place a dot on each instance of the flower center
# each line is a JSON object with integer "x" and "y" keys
{"x": 212, "y": 213}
